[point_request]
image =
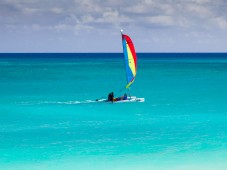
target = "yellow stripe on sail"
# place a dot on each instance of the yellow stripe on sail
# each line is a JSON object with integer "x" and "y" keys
{"x": 131, "y": 61}
{"x": 129, "y": 84}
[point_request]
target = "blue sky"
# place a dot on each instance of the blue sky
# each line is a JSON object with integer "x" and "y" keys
{"x": 94, "y": 25}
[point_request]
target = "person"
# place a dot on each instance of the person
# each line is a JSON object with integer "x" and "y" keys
{"x": 125, "y": 97}
{"x": 111, "y": 97}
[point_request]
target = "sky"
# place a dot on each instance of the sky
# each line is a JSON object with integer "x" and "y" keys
{"x": 94, "y": 25}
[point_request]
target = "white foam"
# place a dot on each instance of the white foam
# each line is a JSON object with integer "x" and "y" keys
{"x": 132, "y": 99}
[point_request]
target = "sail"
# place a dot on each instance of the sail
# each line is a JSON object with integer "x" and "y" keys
{"x": 130, "y": 59}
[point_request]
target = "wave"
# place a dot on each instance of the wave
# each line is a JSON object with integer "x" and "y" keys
{"x": 56, "y": 102}
{"x": 131, "y": 99}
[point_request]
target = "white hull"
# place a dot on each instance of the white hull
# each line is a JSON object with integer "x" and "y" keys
{"x": 130, "y": 99}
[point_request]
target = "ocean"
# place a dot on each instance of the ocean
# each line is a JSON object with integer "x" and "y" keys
{"x": 48, "y": 120}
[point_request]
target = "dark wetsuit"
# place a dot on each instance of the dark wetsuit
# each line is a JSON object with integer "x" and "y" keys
{"x": 110, "y": 97}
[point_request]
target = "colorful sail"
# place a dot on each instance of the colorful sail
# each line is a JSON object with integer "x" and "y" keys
{"x": 130, "y": 59}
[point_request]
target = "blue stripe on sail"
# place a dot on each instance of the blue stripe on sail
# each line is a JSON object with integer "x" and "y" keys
{"x": 129, "y": 73}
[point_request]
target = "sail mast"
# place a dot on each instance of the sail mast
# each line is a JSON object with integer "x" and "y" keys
{"x": 123, "y": 52}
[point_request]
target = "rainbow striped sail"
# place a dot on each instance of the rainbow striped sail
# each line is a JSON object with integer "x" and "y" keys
{"x": 130, "y": 59}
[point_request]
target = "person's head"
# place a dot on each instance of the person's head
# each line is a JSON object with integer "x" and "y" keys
{"x": 112, "y": 93}
{"x": 125, "y": 94}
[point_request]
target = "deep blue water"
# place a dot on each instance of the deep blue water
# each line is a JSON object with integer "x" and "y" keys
{"x": 47, "y": 123}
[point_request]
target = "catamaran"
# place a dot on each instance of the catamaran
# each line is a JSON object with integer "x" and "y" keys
{"x": 131, "y": 69}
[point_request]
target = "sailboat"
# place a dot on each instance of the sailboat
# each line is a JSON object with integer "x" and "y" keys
{"x": 131, "y": 70}
{"x": 130, "y": 65}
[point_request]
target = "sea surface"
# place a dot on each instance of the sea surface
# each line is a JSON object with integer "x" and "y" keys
{"x": 48, "y": 120}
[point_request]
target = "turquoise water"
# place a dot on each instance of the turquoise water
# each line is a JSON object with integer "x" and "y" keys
{"x": 47, "y": 123}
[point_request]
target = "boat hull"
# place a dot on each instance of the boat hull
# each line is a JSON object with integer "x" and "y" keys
{"x": 129, "y": 99}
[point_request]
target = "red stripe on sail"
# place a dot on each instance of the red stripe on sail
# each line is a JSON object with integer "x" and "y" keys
{"x": 131, "y": 47}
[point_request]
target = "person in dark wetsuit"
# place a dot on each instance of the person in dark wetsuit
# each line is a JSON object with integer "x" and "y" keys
{"x": 111, "y": 97}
